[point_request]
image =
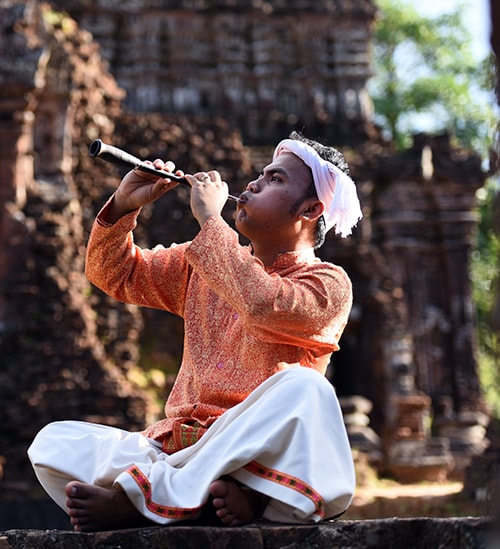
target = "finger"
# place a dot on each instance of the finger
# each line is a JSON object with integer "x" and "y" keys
{"x": 191, "y": 179}
{"x": 169, "y": 166}
{"x": 202, "y": 176}
{"x": 214, "y": 175}
{"x": 159, "y": 164}
{"x": 163, "y": 185}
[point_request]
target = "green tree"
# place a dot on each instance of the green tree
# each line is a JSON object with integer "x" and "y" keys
{"x": 485, "y": 287}
{"x": 426, "y": 74}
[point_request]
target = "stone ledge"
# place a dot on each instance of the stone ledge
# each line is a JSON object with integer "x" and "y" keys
{"x": 393, "y": 533}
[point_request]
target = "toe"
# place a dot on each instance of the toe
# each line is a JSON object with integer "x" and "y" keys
{"x": 218, "y": 489}
{"x": 221, "y": 513}
{"x": 72, "y": 503}
{"x": 218, "y": 503}
{"x": 74, "y": 512}
{"x": 70, "y": 489}
{"x": 228, "y": 519}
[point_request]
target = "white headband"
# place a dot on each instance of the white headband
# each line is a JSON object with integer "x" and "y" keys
{"x": 335, "y": 188}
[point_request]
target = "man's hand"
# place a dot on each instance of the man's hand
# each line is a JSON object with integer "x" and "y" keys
{"x": 138, "y": 188}
{"x": 208, "y": 195}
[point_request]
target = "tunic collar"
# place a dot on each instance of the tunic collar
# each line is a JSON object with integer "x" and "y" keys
{"x": 288, "y": 259}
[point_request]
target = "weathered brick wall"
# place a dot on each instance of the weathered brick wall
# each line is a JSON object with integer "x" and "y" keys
{"x": 265, "y": 66}
{"x": 54, "y": 364}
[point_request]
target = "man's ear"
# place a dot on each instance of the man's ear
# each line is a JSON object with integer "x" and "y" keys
{"x": 312, "y": 209}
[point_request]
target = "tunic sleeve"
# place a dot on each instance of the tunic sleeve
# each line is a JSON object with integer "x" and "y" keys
{"x": 154, "y": 278}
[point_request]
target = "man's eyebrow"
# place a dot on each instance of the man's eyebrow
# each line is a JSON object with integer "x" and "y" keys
{"x": 273, "y": 171}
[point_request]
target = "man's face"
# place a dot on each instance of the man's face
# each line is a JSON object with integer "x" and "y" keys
{"x": 265, "y": 207}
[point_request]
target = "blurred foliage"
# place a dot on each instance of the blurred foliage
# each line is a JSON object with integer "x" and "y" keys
{"x": 486, "y": 283}
{"x": 427, "y": 79}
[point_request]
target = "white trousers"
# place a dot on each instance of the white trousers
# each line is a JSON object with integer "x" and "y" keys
{"x": 287, "y": 440}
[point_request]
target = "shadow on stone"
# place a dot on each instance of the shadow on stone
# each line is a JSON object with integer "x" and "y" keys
{"x": 24, "y": 513}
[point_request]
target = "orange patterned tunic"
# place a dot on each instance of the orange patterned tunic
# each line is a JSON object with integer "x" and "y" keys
{"x": 243, "y": 321}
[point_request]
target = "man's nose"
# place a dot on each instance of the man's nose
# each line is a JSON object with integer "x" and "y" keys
{"x": 253, "y": 187}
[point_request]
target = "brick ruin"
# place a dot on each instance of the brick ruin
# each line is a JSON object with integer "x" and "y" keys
{"x": 216, "y": 84}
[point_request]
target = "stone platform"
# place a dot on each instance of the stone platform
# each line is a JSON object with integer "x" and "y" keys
{"x": 391, "y": 533}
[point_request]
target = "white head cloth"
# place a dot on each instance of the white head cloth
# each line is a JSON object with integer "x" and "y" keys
{"x": 335, "y": 188}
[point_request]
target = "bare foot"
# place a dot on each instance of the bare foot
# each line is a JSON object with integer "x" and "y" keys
{"x": 235, "y": 506}
{"x": 94, "y": 508}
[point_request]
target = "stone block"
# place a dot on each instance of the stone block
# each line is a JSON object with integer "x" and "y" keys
{"x": 473, "y": 533}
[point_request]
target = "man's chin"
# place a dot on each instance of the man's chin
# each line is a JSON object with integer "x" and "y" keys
{"x": 242, "y": 227}
{"x": 240, "y": 219}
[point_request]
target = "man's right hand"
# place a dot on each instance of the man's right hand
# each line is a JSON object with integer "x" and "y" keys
{"x": 138, "y": 188}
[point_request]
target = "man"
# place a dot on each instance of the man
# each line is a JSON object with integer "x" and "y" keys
{"x": 252, "y": 428}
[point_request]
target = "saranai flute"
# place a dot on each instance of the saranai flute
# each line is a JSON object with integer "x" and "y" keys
{"x": 98, "y": 149}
